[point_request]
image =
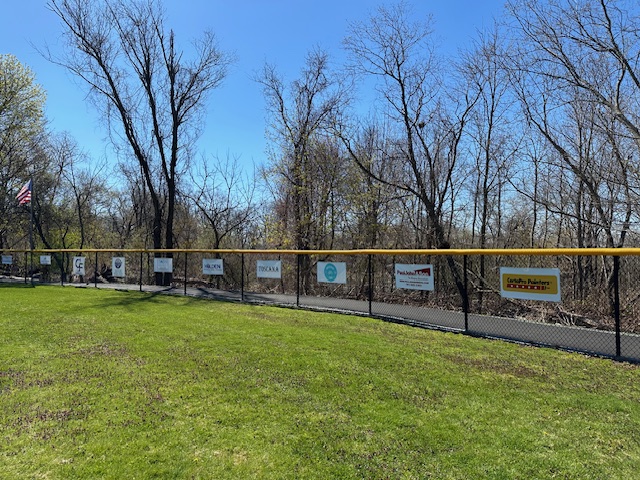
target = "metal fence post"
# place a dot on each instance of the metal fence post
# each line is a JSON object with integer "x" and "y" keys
{"x": 465, "y": 297}
{"x": 242, "y": 277}
{"x": 370, "y": 292}
{"x": 62, "y": 270}
{"x": 298, "y": 280}
{"x": 185, "y": 272}
{"x": 141, "y": 256}
{"x": 95, "y": 273}
{"x": 26, "y": 268}
{"x": 616, "y": 301}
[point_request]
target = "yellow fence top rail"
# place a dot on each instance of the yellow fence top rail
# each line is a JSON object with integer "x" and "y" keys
{"x": 454, "y": 252}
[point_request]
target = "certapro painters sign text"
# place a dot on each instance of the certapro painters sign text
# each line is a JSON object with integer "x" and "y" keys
{"x": 530, "y": 283}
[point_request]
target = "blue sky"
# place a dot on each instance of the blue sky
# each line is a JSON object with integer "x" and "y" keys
{"x": 275, "y": 31}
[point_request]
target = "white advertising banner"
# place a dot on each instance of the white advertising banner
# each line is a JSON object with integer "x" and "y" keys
{"x": 162, "y": 265}
{"x": 117, "y": 267}
{"x": 332, "y": 272}
{"x": 269, "y": 269}
{"x": 212, "y": 266}
{"x": 7, "y": 260}
{"x": 45, "y": 259}
{"x": 414, "y": 276}
{"x": 530, "y": 283}
{"x": 78, "y": 265}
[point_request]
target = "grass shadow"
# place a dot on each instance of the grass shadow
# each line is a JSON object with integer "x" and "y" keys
{"x": 123, "y": 297}
{"x": 4, "y": 283}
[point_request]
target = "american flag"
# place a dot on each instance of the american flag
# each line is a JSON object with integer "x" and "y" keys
{"x": 24, "y": 195}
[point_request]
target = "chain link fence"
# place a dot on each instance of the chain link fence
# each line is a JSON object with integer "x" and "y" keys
{"x": 462, "y": 291}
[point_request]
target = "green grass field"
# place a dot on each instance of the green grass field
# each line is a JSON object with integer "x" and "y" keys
{"x": 108, "y": 384}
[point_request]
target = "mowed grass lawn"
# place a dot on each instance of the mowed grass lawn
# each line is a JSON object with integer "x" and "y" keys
{"x": 108, "y": 384}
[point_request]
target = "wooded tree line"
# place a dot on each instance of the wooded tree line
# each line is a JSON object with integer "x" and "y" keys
{"x": 529, "y": 138}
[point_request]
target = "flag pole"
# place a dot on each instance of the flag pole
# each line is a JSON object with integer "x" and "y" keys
{"x": 33, "y": 196}
{"x": 26, "y": 195}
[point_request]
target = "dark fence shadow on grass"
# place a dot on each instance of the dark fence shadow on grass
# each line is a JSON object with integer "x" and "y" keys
{"x": 130, "y": 298}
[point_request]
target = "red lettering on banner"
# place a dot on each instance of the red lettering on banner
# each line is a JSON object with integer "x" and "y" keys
{"x": 526, "y": 287}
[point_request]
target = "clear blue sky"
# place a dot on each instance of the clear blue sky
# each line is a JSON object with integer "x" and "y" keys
{"x": 275, "y": 31}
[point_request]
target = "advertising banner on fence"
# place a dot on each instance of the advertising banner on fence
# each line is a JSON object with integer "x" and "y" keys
{"x": 45, "y": 259}
{"x": 332, "y": 272}
{"x": 530, "y": 283}
{"x": 162, "y": 265}
{"x": 7, "y": 260}
{"x": 414, "y": 277}
{"x": 212, "y": 266}
{"x": 78, "y": 266}
{"x": 269, "y": 269}
{"x": 117, "y": 267}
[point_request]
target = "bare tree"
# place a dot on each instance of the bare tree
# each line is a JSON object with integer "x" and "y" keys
{"x": 70, "y": 197}
{"x": 575, "y": 74}
{"x": 371, "y": 203}
{"x": 575, "y": 70}
{"x": 399, "y": 53}
{"x": 83, "y": 183}
{"x": 590, "y": 46}
{"x": 225, "y": 199}
{"x": 151, "y": 93}
{"x": 490, "y": 133}
{"x": 301, "y": 112}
